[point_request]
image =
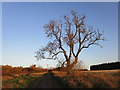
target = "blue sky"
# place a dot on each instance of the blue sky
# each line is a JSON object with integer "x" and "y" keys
{"x": 22, "y": 35}
{"x": 0, "y": 33}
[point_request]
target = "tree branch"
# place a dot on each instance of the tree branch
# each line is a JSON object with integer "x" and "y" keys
{"x": 54, "y": 55}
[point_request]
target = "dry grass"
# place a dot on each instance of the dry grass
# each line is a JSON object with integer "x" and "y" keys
{"x": 91, "y": 79}
{"x": 19, "y": 77}
{"x": 20, "y": 80}
{"x": 32, "y": 74}
{"x": 60, "y": 73}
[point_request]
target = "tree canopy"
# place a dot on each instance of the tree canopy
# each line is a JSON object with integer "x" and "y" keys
{"x": 70, "y": 31}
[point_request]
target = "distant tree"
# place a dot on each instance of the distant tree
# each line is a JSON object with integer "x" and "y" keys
{"x": 69, "y": 36}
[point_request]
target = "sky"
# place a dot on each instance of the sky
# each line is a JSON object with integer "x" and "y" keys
{"x": 23, "y": 33}
{"x": 0, "y": 33}
{"x": 60, "y": 0}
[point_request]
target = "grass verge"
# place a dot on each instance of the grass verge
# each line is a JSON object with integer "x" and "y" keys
{"x": 22, "y": 81}
{"x": 91, "y": 79}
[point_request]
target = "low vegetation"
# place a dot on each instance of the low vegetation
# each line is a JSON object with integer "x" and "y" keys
{"x": 19, "y": 77}
{"x": 22, "y": 81}
{"x": 9, "y": 70}
{"x": 91, "y": 79}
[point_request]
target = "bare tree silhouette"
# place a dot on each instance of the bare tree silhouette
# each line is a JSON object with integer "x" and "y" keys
{"x": 69, "y": 36}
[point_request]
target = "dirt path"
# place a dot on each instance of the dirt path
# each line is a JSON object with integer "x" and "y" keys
{"x": 47, "y": 81}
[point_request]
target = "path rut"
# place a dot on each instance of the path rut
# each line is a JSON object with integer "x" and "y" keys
{"x": 47, "y": 81}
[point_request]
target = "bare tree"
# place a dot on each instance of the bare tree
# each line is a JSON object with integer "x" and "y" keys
{"x": 69, "y": 36}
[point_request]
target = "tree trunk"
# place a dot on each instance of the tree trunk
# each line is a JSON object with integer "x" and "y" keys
{"x": 70, "y": 66}
{"x": 74, "y": 62}
{"x": 68, "y": 62}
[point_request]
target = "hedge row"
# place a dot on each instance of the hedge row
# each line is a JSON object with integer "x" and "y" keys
{"x": 106, "y": 66}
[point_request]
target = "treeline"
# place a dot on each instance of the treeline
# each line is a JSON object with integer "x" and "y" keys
{"x": 106, "y": 66}
{"x": 6, "y": 69}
